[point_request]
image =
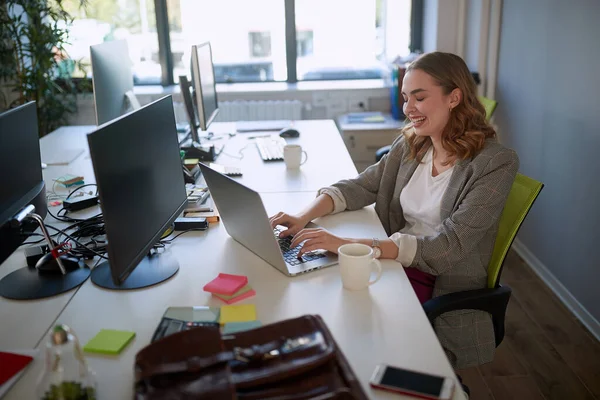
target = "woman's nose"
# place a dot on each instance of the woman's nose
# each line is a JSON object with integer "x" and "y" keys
{"x": 409, "y": 106}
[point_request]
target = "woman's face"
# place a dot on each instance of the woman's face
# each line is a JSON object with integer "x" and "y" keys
{"x": 425, "y": 103}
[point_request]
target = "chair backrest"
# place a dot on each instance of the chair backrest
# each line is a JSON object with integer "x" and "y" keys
{"x": 489, "y": 105}
{"x": 523, "y": 193}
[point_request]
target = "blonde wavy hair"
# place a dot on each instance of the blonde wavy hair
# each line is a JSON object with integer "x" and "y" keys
{"x": 467, "y": 129}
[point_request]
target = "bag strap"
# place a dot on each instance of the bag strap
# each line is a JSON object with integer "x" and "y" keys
{"x": 191, "y": 364}
{"x": 196, "y": 363}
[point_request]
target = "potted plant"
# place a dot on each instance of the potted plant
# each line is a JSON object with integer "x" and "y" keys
{"x": 33, "y": 62}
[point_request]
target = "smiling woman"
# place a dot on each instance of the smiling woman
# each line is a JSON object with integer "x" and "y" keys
{"x": 440, "y": 100}
{"x": 438, "y": 193}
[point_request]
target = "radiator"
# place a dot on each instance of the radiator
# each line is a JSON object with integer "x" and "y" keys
{"x": 231, "y": 111}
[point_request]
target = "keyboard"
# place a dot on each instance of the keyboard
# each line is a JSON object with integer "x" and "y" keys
{"x": 261, "y": 126}
{"x": 290, "y": 254}
{"x": 270, "y": 148}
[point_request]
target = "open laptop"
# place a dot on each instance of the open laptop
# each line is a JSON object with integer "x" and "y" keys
{"x": 246, "y": 220}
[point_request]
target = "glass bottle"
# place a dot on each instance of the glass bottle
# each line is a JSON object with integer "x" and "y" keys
{"x": 66, "y": 374}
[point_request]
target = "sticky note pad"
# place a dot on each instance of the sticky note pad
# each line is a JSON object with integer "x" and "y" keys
{"x": 226, "y": 284}
{"x": 235, "y": 299}
{"x": 239, "y": 313}
{"x": 109, "y": 341}
{"x": 240, "y": 292}
{"x": 233, "y": 327}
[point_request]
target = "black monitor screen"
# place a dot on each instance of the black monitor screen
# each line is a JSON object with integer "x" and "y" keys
{"x": 20, "y": 161}
{"x": 21, "y": 180}
{"x": 139, "y": 174}
{"x": 203, "y": 80}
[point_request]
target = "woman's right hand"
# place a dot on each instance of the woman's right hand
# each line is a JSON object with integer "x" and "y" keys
{"x": 293, "y": 223}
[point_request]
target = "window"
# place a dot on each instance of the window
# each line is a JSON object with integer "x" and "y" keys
{"x": 335, "y": 39}
{"x": 260, "y": 44}
{"x": 304, "y": 43}
{"x": 104, "y": 20}
{"x": 247, "y": 38}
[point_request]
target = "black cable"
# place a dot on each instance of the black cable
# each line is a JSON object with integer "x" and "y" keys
{"x": 81, "y": 187}
{"x": 169, "y": 241}
{"x": 76, "y": 241}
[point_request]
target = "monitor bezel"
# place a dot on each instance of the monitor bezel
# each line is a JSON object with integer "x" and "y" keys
{"x": 197, "y": 83}
{"x": 120, "y": 276}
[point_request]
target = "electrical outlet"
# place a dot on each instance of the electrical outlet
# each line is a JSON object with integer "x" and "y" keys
{"x": 358, "y": 104}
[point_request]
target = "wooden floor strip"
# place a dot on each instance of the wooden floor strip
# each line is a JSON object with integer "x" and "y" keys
{"x": 546, "y": 353}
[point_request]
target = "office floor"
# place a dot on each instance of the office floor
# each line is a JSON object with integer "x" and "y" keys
{"x": 546, "y": 353}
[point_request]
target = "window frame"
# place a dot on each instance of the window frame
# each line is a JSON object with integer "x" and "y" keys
{"x": 165, "y": 55}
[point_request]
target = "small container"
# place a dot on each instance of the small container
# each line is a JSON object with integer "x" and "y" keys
{"x": 66, "y": 374}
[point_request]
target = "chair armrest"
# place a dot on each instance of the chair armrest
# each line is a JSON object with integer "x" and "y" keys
{"x": 493, "y": 301}
{"x": 382, "y": 152}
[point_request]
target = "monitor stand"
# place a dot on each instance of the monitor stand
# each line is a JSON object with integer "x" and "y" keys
{"x": 29, "y": 283}
{"x": 54, "y": 273}
{"x": 152, "y": 270}
{"x": 194, "y": 149}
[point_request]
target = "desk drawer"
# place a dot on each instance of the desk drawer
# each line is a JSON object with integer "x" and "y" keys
{"x": 362, "y": 145}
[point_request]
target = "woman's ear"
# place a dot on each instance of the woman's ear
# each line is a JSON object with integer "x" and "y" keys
{"x": 455, "y": 97}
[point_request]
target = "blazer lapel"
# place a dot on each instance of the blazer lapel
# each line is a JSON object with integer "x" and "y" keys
{"x": 454, "y": 189}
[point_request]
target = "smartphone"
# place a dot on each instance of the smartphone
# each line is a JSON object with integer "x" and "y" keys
{"x": 412, "y": 383}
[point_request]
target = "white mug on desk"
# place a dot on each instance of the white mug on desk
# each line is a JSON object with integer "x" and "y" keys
{"x": 292, "y": 155}
{"x": 355, "y": 261}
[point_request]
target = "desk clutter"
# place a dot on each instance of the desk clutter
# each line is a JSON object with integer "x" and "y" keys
{"x": 230, "y": 288}
{"x": 295, "y": 358}
{"x": 227, "y": 319}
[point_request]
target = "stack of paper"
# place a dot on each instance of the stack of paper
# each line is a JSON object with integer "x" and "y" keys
{"x": 230, "y": 288}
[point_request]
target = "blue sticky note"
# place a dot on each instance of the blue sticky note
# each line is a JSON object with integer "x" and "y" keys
{"x": 233, "y": 327}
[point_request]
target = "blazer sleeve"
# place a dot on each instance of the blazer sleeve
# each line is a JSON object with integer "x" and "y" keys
{"x": 477, "y": 213}
{"x": 362, "y": 191}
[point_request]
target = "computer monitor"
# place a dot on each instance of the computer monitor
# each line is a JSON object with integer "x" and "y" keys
{"x": 22, "y": 185}
{"x": 112, "y": 80}
{"x": 204, "y": 84}
{"x": 141, "y": 189}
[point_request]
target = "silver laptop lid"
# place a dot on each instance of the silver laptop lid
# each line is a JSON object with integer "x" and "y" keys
{"x": 244, "y": 217}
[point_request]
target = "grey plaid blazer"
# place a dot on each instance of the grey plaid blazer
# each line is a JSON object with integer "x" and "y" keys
{"x": 459, "y": 255}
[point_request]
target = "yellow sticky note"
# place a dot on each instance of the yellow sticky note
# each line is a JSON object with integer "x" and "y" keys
{"x": 238, "y": 313}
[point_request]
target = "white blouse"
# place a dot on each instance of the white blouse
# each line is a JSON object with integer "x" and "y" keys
{"x": 420, "y": 199}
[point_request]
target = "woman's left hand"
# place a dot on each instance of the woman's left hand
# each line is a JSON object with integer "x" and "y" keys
{"x": 317, "y": 239}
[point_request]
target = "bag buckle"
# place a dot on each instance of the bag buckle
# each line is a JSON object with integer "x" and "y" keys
{"x": 248, "y": 354}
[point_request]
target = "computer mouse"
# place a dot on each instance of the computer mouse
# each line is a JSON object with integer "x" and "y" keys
{"x": 48, "y": 264}
{"x": 289, "y": 133}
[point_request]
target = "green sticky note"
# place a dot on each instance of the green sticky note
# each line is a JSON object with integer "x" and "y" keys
{"x": 233, "y": 327}
{"x": 109, "y": 341}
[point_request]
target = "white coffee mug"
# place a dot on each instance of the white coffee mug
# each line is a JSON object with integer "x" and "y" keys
{"x": 355, "y": 261}
{"x": 292, "y": 155}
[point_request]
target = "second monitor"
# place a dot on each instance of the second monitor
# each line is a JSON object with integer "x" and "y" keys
{"x": 138, "y": 172}
{"x": 201, "y": 105}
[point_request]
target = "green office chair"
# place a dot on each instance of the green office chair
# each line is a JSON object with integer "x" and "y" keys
{"x": 494, "y": 298}
{"x": 488, "y": 104}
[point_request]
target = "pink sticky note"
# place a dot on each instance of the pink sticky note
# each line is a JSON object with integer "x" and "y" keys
{"x": 241, "y": 297}
{"x": 226, "y": 284}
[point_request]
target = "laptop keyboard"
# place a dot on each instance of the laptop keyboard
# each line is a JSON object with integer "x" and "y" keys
{"x": 290, "y": 254}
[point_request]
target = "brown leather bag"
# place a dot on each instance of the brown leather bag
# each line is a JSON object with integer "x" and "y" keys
{"x": 289, "y": 360}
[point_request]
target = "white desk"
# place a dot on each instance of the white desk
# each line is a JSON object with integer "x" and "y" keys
{"x": 24, "y": 323}
{"x": 328, "y": 160}
{"x": 384, "y": 324}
